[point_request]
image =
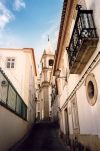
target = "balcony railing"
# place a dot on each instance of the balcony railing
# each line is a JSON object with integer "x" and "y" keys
{"x": 84, "y": 35}
{"x": 9, "y": 97}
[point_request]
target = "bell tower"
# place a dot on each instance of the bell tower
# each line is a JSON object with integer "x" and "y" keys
{"x": 47, "y": 61}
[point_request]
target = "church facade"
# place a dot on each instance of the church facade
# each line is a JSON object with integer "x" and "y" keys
{"x": 47, "y": 61}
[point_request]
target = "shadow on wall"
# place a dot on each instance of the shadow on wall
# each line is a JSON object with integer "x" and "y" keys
{"x": 73, "y": 144}
{"x": 94, "y": 5}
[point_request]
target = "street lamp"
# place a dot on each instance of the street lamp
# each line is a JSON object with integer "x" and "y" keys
{"x": 57, "y": 74}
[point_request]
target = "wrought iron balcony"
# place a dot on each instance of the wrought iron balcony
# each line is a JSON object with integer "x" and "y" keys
{"x": 83, "y": 41}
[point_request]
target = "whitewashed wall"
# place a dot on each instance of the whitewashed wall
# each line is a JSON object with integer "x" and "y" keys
{"x": 88, "y": 115}
{"x": 22, "y": 76}
{"x": 15, "y": 75}
{"x": 12, "y": 129}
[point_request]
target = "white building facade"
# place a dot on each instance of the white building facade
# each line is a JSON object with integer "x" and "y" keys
{"x": 47, "y": 61}
{"x": 18, "y": 77}
{"x": 78, "y": 59}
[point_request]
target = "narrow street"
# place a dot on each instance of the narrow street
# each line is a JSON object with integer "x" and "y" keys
{"x": 43, "y": 137}
{"x": 49, "y": 74}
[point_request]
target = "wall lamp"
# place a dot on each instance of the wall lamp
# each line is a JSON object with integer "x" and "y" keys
{"x": 57, "y": 74}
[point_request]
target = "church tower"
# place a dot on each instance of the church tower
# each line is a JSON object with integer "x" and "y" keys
{"x": 47, "y": 61}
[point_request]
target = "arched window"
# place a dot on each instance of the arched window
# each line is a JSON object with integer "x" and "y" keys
{"x": 51, "y": 62}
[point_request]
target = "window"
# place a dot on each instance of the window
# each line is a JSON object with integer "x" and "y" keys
{"x": 51, "y": 62}
{"x": 10, "y": 62}
{"x": 75, "y": 118}
{"x": 91, "y": 89}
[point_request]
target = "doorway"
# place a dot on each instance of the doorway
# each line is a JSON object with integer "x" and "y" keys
{"x": 38, "y": 116}
{"x": 66, "y": 124}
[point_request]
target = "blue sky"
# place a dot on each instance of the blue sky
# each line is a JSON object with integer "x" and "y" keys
{"x": 27, "y": 23}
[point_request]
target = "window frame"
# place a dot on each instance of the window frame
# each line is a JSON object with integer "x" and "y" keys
{"x": 49, "y": 62}
{"x": 91, "y": 78}
{"x": 10, "y": 62}
{"x": 75, "y": 115}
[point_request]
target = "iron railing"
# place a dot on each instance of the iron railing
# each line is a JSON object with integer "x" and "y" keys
{"x": 9, "y": 97}
{"x": 84, "y": 28}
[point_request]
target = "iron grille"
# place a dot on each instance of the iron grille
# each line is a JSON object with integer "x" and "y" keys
{"x": 84, "y": 28}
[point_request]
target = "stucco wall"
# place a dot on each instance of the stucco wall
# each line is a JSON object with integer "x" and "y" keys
{"x": 22, "y": 76}
{"x": 15, "y": 75}
{"x": 89, "y": 115}
{"x": 89, "y": 123}
{"x": 74, "y": 78}
{"x": 12, "y": 128}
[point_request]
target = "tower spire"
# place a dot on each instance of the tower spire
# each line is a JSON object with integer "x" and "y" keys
{"x": 48, "y": 38}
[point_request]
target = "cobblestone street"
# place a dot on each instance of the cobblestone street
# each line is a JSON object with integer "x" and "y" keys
{"x": 43, "y": 137}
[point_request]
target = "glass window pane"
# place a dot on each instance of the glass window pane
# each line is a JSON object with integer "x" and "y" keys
{"x": 11, "y": 97}
{"x": 23, "y": 109}
{"x": 18, "y": 105}
{"x": 10, "y": 62}
{"x": 8, "y": 66}
{"x": 12, "y": 65}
